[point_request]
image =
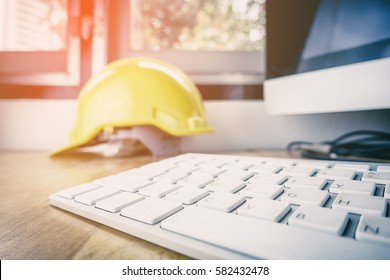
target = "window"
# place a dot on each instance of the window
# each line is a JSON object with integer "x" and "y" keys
{"x": 50, "y": 48}
{"x": 217, "y": 42}
{"x": 37, "y": 45}
{"x": 33, "y": 25}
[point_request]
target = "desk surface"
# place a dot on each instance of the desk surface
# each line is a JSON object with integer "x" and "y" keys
{"x": 30, "y": 228}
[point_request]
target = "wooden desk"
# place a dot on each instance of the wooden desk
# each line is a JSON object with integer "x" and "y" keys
{"x": 30, "y": 228}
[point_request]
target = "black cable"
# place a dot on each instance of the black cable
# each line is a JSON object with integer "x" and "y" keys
{"x": 355, "y": 145}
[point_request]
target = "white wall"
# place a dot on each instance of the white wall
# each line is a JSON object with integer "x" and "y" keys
{"x": 35, "y": 124}
{"x": 246, "y": 125}
{"x": 240, "y": 125}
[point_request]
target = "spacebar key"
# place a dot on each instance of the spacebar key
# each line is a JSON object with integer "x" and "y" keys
{"x": 217, "y": 228}
{"x": 262, "y": 239}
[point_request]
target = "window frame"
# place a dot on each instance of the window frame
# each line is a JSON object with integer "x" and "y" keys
{"x": 61, "y": 68}
{"x": 222, "y": 67}
{"x": 104, "y": 46}
{"x": 67, "y": 84}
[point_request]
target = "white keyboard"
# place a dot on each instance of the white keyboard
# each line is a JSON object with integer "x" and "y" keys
{"x": 234, "y": 207}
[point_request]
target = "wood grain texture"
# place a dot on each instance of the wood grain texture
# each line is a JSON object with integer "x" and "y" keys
{"x": 30, "y": 228}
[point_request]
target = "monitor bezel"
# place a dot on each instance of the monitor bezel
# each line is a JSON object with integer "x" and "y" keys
{"x": 354, "y": 87}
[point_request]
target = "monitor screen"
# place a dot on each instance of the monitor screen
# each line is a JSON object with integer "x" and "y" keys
{"x": 317, "y": 49}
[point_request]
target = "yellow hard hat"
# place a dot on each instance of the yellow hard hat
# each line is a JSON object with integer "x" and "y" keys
{"x": 136, "y": 92}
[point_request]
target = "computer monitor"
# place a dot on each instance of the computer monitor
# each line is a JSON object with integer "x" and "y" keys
{"x": 327, "y": 56}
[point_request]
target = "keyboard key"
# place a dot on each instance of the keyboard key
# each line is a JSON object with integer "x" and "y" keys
{"x": 267, "y": 209}
{"x": 281, "y": 162}
{"x": 236, "y": 174}
{"x": 195, "y": 181}
{"x": 306, "y": 182}
{"x": 225, "y": 202}
{"x": 163, "y": 166}
{"x": 377, "y": 177}
{"x": 208, "y": 171}
{"x": 212, "y": 161}
{"x": 264, "y": 189}
{"x": 124, "y": 182}
{"x": 298, "y": 170}
{"x": 167, "y": 166}
{"x": 171, "y": 177}
{"x": 303, "y": 196}
{"x": 265, "y": 168}
{"x": 387, "y": 191}
{"x": 318, "y": 218}
{"x": 185, "y": 168}
{"x": 333, "y": 174}
{"x": 237, "y": 166}
{"x": 118, "y": 201}
{"x": 213, "y": 164}
{"x": 356, "y": 167}
{"x": 350, "y": 186}
{"x": 146, "y": 173}
{"x": 313, "y": 164}
{"x": 216, "y": 228}
{"x": 72, "y": 192}
{"x": 90, "y": 198}
{"x": 151, "y": 210}
{"x": 187, "y": 195}
{"x": 158, "y": 189}
{"x": 383, "y": 168}
{"x": 271, "y": 178}
{"x": 224, "y": 184}
{"x": 360, "y": 204}
{"x": 372, "y": 228}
